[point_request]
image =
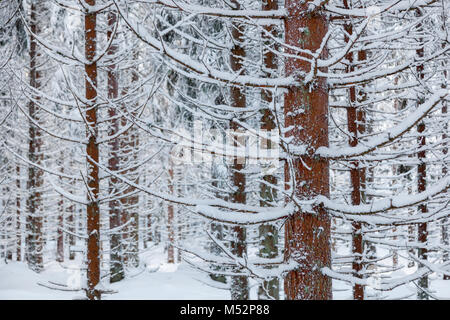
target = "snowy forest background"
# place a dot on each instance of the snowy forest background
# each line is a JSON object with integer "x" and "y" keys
{"x": 200, "y": 149}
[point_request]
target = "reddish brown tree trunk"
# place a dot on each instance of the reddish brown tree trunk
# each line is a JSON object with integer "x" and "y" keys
{"x": 421, "y": 177}
{"x": 170, "y": 219}
{"x": 307, "y": 235}
{"x": 422, "y": 227}
{"x": 92, "y": 152}
{"x": 60, "y": 227}
{"x": 445, "y": 237}
{"x": 355, "y": 173}
{"x": 268, "y": 233}
{"x": 357, "y": 238}
{"x": 35, "y": 181}
{"x": 180, "y": 218}
{"x": 444, "y": 228}
{"x": 71, "y": 226}
{"x": 115, "y": 209}
{"x": 18, "y": 215}
{"x": 60, "y": 234}
{"x": 60, "y": 240}
{"x": 238, "y": 245}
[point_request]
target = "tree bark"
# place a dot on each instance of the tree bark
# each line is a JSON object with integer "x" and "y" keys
{"x": 18, "y": 217}
{"x": 422, "y": 227}
{"x": 71, "y": 240}
{"x": 307, "y": 234}
{"x": 92, "y": 152}
{"x": 35, "y": 240}
{"x": 115, "y": 208}
{"x": 268, "y": 233}
{"x": 238, "y": 245}
{"x": 355, "y": 172}
{"x": 60, "y": 226}
{"x": 170, "y": 219}
{"x": 444, "y": 228}
{"x": 421, "y": 178}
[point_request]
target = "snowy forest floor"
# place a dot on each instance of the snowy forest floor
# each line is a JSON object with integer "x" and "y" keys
{"x": 157, "y": 280}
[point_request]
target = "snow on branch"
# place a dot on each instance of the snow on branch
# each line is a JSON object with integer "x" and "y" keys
{"x": 386, "y": 137}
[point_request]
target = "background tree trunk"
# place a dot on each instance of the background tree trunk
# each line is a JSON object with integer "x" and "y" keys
{"x": 307, "y": 235}
{"x": 92, "y": 152}
{"x": 35, "y": 241}
{"x": 18, "y": 216}
{"x": 268, "y": 233}
{"x": 355, "y": 172}
{"x": 444, "y": 228}
{"x": 115, "y": 208}
{"x": 238, "y": 245}
{"x": 170, "y": 218}
{"x": 60, "y": 225}
{"x": 422, "y": 232}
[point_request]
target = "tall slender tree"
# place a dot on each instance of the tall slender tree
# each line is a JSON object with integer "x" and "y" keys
{"x": 35, "y": 214}
{"x": 307, "y": 235}
{"x": 239, "y": 284}
{"x": 92, "y": 153}
{"x": 422, "y": 172}
{"x": 115, "y": 208}
{"x": 268, "y": 233}
{"x": 354, "y": 124}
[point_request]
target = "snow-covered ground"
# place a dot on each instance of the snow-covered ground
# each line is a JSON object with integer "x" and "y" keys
{"x": 19, "y": 282}
{"x": 157, "y": 280}
{"x": 438, "y": 287}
